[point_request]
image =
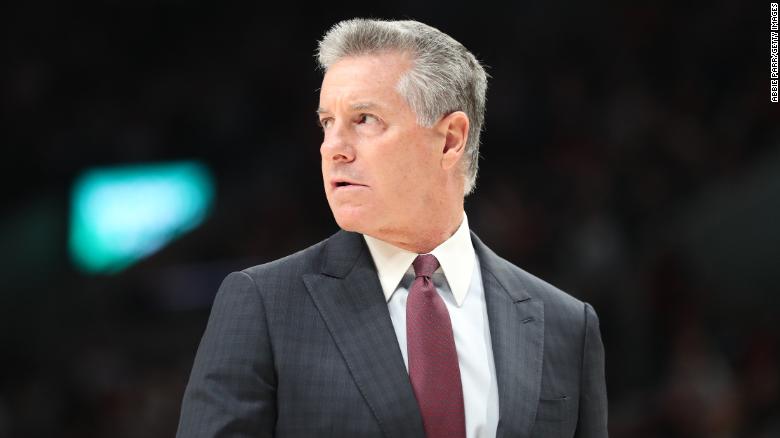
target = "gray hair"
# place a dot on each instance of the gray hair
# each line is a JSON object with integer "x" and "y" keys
{"x": 445, "y": 76}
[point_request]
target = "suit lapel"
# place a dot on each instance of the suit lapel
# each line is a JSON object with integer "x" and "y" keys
{"x": 516, "y": 323}
{"x": 349, "y": 297}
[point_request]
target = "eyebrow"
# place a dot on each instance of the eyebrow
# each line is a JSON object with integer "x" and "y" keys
{"x": 359, "y": 106}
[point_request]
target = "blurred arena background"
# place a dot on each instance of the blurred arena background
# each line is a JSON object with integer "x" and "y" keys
{"x": 631, "y": 157}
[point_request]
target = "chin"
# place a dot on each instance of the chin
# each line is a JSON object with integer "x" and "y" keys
{"x": 350, "y": 219}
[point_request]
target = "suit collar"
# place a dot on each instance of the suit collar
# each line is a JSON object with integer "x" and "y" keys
{"x": 500, "y": 269}
{"x": 516, "y": 321}
{"x": 341, "y": 252}
{"x": 350, "y": 299}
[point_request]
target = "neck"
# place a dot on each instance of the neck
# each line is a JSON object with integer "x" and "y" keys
{"x": 423, "y": 238}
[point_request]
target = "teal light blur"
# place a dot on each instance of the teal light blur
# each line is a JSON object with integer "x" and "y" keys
{"x": 120, "y": 215}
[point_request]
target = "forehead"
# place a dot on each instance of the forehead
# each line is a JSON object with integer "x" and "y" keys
{"x": 359, "y": 80}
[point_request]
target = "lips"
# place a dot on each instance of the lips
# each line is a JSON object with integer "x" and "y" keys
{"x": 345, "y": 183}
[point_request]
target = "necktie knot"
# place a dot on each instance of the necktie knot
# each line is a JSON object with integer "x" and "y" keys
{"x": 425, "y": 265}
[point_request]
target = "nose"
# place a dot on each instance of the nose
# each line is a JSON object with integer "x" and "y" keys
{"x": 337, "y": 144}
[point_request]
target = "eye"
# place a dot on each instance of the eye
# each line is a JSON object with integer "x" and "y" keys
{"x": 324, "y": 123}
{"x": 367, "y": 118}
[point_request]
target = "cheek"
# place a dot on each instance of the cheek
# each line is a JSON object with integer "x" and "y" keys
{"x": 402, "y": 165}
{"x": 396, "y": 169}
{"x": 406, "y": 177}
{"x": 416, "y": 161}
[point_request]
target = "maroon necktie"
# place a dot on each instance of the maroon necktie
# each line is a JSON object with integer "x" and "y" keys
{"x": 433, "y": 360}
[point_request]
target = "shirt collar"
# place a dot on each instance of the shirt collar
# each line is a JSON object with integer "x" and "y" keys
{"x": 455, "y": 255}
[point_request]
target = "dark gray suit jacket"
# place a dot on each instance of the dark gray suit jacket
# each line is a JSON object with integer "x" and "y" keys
{"x": 304, "y": 347}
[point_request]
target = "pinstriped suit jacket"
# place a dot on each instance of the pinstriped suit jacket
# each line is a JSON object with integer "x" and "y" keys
{"x": 304, "y": 347}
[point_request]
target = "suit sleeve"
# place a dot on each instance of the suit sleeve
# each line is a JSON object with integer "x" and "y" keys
{"x": 593, "y": 411}
{"x": 232, "y": 386}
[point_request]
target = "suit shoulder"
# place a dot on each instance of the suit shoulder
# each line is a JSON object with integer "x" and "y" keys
{"x": 557, "y": 301}
{"x": 301, "y": 262}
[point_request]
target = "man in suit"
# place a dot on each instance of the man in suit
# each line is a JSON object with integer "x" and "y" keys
{"x": 403, "y": 323}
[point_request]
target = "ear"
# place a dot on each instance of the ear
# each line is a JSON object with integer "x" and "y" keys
{"x": 455, "y": 128}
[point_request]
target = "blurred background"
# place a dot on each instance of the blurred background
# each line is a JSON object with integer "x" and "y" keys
{"x": 631, "y": 157}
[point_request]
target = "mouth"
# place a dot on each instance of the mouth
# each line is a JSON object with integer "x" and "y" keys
{"x": 337, "y": 184}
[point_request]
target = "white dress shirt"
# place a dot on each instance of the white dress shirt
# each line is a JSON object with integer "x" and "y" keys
{"x": 459, "y": 282}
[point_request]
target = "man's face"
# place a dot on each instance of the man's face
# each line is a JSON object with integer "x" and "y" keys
{"x": 381, "y": 170}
